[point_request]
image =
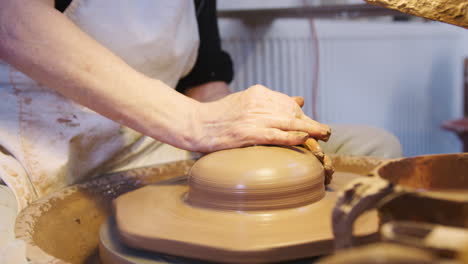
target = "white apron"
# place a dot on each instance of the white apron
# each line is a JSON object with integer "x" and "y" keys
{"x": 48, "y": 142}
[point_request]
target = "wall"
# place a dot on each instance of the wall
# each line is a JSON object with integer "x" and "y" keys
{"x": 404, "y": 77}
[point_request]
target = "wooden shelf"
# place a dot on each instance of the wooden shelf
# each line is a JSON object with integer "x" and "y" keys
{"x": 328, "y": 11}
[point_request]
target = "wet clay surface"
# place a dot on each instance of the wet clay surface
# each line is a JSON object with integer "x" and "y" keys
{"x": 239, "y": 237}
{"x": 249, "y": 205}
{"x": 57, "y": 232}
{"x": 111, "y": 250}
{"x": 256, "y": 178}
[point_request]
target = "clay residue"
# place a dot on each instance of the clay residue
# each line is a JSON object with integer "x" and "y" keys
{"x": 449, "y": 11}
{"x": 65, "y": 224}
{"x": 73, "y": 235}
{"x": 432, "y": 172}
{"x": 67, "y": 122}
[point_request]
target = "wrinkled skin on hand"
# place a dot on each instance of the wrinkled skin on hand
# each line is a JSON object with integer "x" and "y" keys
{"x": 256, "y": 116}
{"x": 252, "y": 107}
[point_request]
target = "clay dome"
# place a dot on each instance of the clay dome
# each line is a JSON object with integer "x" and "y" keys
{"x": 256, "y": 178}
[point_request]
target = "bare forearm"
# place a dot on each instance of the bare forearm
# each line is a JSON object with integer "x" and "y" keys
{"x": 208, "y": 92}
{"x": 44, "y": 44}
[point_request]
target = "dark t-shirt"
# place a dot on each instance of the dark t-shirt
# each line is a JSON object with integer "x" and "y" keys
{"x": 213, "y": 64}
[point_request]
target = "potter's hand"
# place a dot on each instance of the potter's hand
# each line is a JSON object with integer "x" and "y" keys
{"x": 312, "y": 145}
{"x": 255, "y": 116}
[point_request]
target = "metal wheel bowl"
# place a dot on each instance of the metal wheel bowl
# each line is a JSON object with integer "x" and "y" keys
{"x": 432, "y": 189}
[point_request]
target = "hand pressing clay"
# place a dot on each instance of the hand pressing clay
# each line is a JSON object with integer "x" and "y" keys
{"x": 249, "y": 205}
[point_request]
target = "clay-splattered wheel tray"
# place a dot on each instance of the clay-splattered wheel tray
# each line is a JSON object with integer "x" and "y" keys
{"x": 64, "y": 227}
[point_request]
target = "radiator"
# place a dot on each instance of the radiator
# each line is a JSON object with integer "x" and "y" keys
{"x": 406, "y": 78}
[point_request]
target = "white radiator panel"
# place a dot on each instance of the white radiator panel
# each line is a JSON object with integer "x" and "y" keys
{"x": 405, "y": 78}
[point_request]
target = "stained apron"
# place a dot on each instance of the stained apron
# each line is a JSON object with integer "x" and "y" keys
{"x": 48, "y": 142}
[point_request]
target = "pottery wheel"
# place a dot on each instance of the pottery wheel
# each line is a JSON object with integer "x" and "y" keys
{"x": 115, "y": 251}
{"x": 64, "y": 227}
{"x": 110, "y": 247}
{"x": 257, "y": 204}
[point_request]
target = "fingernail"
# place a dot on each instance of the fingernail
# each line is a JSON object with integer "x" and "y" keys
{"x": 326, "y": 135}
